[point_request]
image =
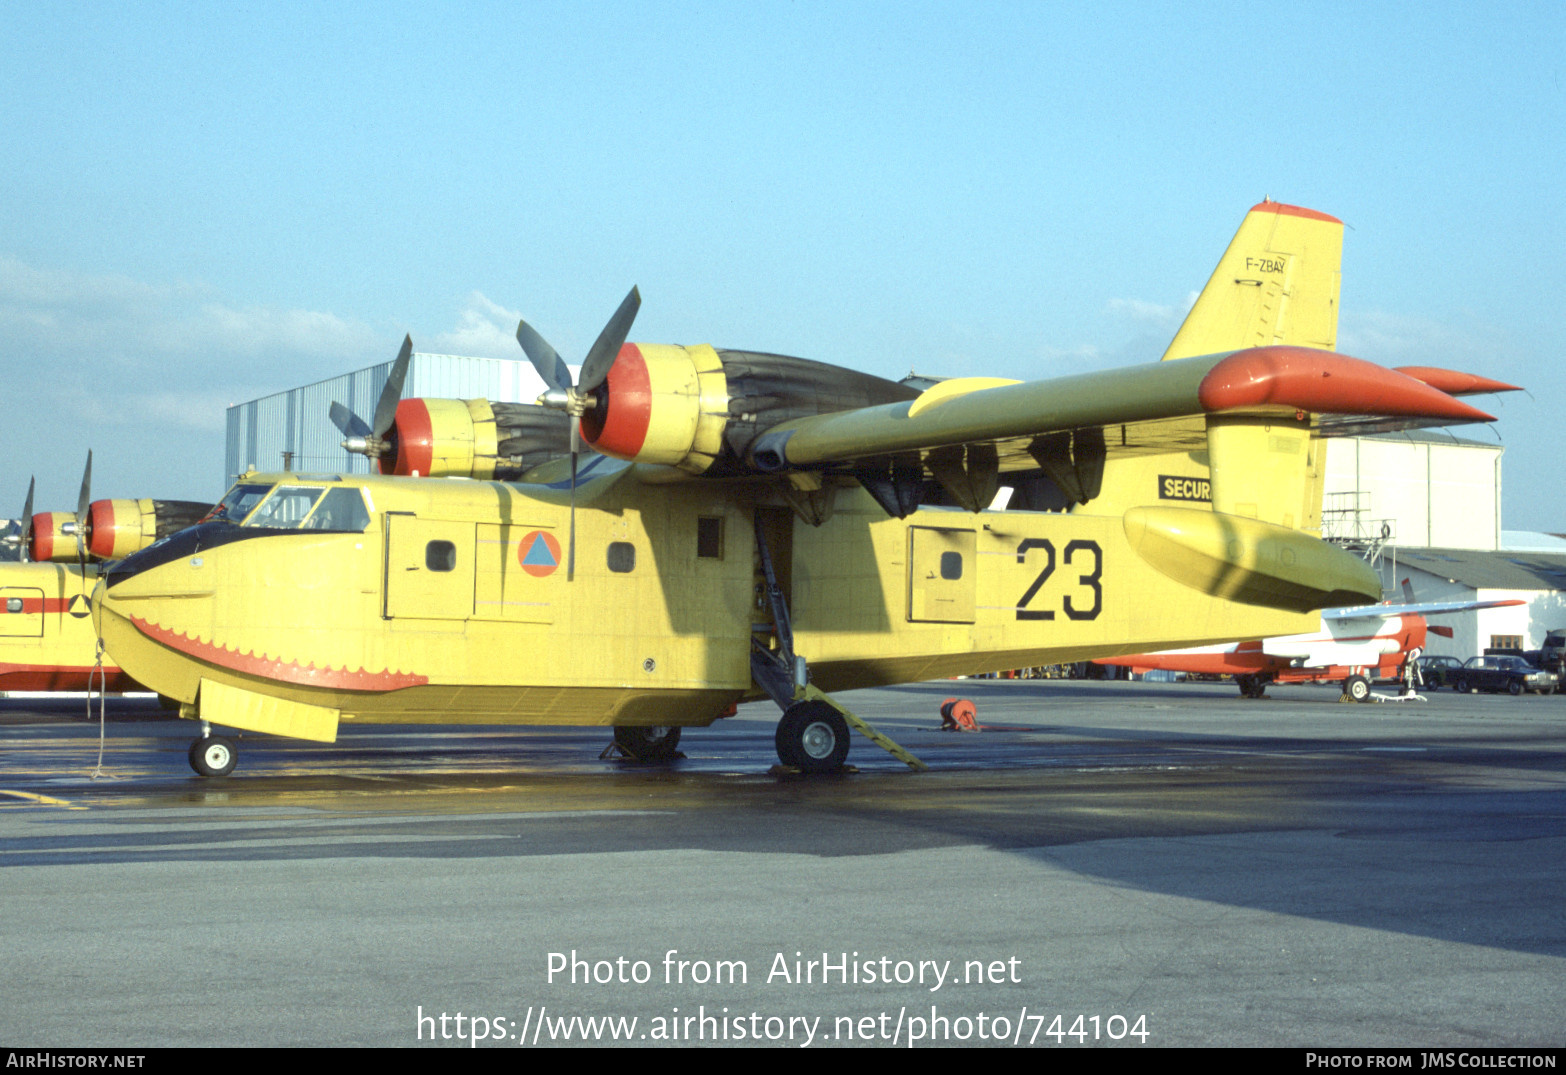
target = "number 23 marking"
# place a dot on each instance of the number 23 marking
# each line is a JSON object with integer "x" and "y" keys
{"x": 1092, "y": 580}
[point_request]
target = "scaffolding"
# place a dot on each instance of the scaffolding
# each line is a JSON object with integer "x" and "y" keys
{"x": 1347, "y": 521}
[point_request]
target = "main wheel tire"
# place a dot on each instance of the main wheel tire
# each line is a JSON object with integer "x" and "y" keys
{"x": 1247, "y": 685}
{"x": 812, "y": 737}
{"x": 1357, "y": 688}
{"x": 648, "y": 744}
{"x": 213, "y": 756}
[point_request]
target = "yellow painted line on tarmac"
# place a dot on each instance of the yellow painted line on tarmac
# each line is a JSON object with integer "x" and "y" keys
{"x": 41, "y": 800}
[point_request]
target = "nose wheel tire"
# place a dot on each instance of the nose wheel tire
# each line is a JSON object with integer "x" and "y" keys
{"x": 213, "y": 755}
{"x": 648, "y": 744}
{"x": 812, "y": 737}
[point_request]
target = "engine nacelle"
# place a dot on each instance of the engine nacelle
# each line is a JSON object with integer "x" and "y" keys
{"x": 438, "y": 438}
{"x": 661, "y": 404}
{"x": 53, "y": 539}
{"x": 701, "y": 410}
{"x": 694, "y": 408}
{"x": 117, "y": 528}
{"x": 473, "y": 438}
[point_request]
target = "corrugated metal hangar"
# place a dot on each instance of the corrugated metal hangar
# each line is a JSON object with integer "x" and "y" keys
{"x": 292, "y": 431}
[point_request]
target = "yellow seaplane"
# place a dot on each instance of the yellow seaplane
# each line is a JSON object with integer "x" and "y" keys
{"x": 47, "y": 637}
{"x": 749, "y": 525}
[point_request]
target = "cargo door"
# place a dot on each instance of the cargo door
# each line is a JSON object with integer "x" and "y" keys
{"x": 941, "y": 566}
{"x": 519, "y": 573}
{"x": 429, "y": 568}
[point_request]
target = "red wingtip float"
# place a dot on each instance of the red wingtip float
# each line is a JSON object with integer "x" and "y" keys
{"x": 1324, "y": 381}
{"x": 1455, "y": 382}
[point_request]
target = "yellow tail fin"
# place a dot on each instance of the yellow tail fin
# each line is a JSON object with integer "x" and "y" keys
{"x": 1277, "y": 283}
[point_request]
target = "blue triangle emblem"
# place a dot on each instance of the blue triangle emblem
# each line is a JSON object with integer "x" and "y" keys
{"x": 538, "y": 554}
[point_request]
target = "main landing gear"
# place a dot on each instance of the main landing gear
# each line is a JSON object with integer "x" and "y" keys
{"x": 812, "y": 737}
{"x": 1356, "y": 688}
{"x": 1252, "y": 686}
{"x": 648, "y": 744}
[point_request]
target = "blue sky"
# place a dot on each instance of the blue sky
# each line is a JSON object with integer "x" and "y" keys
{"x": 206, "y": 203}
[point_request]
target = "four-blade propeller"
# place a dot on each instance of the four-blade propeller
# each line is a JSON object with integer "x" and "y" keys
{"x": 370, "y": 440}
{"x": 577, "y": 399}
{"x": 22, "y": 539}
{"x": 83, "y": 508}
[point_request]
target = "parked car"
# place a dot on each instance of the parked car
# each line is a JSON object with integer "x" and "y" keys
{"x": 1511, "y": 674}
{"x": 1438, "y": 672}
{"x": 1552, "y": 658}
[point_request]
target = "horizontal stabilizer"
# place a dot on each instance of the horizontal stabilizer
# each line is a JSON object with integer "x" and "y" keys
{"x": 1422, "y": 608}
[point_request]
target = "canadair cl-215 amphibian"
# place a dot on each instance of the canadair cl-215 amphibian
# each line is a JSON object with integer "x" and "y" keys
{"x": 47, "y": 638}
{"x": 740, "y": 513}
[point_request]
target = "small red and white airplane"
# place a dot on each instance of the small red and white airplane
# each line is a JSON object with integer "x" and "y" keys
{"x": 1353, "y": 643}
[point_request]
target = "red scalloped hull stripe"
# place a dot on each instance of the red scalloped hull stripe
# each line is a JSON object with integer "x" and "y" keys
{"x": 279, "y": 670}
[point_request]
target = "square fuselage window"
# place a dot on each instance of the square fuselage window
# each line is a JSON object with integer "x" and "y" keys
{"x": 440, "y": 556}
{"x": 622, "y": 557}
{"x": 709, "y": 537}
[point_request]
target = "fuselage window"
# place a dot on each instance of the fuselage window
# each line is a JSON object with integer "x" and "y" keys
{"x": 709, "y": 537}
{"x": 440, "y": 556}
{"x": 951, "y": 565}
{"x": 622, "y": 557}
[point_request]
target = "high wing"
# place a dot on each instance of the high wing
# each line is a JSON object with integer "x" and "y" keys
{"x": 1154, "y": 408}
{"x": 1213, "y": 462}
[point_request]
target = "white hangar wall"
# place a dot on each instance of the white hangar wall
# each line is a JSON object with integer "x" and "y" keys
{"x": 1430, "y": 489}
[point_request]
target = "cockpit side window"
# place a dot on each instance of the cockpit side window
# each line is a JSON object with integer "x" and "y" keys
{"x": 340, "y": 509}
{"x": 286, "y": 508}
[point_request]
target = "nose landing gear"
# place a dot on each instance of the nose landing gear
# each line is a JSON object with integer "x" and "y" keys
{"x": 213, "y": 755}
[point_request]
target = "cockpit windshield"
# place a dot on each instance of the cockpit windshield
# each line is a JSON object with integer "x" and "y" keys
{"x": 286, "y": 508}
{"x": 240, "y": 502}
{"x": 306, "y": 507}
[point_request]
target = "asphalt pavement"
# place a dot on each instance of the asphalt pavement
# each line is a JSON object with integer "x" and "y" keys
{"x": 1123, "y": 864}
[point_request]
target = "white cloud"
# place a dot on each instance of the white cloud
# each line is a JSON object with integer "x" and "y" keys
{"x": 1396, "y": 340}
{"x": 484, "y": 329}
{"x": 1150, "y": 313}
{"x": 48, "y": 314}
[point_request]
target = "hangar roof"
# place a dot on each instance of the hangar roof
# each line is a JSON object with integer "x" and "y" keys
{"x": 1502, "y": 569}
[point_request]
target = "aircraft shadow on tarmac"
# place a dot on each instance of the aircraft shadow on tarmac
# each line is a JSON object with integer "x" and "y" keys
{"x": 1437, "y": 841}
